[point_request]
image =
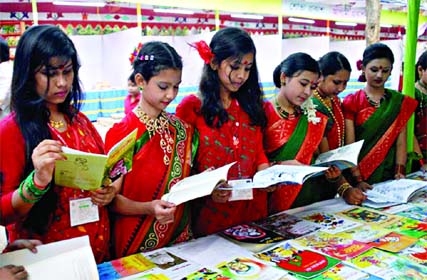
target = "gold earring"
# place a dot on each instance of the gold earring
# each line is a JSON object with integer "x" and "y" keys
{"x": 282, "y": 83}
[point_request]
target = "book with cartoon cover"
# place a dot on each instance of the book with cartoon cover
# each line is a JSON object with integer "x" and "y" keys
{"x": 89, "y": 171}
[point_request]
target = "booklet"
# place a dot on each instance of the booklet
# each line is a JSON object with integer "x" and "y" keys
{"x": 89, "y": 171}
{"x": 284, "y": 174}
{"x": 393, "y": 192}
{"x": 342, "y": 157}
{"x": 70, "y": 259}
{"x": 198, "y": 185}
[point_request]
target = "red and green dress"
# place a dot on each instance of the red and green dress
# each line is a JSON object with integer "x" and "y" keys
{"x": 237, "y": 140}
{"x": 149, "y": 179}
{"x": 288, "y": 139}
{"x": 379, "y": 127}
{"x": 80, "y": 135}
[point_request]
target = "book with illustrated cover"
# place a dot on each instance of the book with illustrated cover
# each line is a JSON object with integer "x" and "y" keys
{"x": 288, "y": 226}
{"x": 248, "y": 268}
{"x": 416, "y": 211}
{"x": 333, "y": 245}
{"x": 329, "y": 222}
{"x": 252, "y": 237}
{"x": 89, "y": 171}
{"x": 300, "y": 262}
{"x": 409, "y": 227}
{"x": 393, "y": 242}
{"x": 124, "y": 266}
{"x": 345, "y": 272}
{"x": 370, "y": 216}
{"x": 393, "y": 192}
{"x": 364, "y": 233}
{"x": 417, "y": 252}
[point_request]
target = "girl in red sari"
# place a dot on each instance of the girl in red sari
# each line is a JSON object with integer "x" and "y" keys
{"x": 379, "y": 116}
{"x": 294, "y": 129}
{"x": 46, "y": 97}
{"x": 163, "y": 156}
{"x": 228, "y": 115}
{"x": 334, "y": 74}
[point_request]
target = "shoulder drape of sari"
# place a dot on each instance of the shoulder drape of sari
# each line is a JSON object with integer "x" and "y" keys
{"x": 149, "y": 179}
{"x": 380, "y": 128}
{"x": 332, "y": 127}
{"x": 237, "y": 140}
{"x": 299, "y": 140}
{"x": 82, "y": 135}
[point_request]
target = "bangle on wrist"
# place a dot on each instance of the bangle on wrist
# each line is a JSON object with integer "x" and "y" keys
{"x": 343, "y": 188}
{"x": 422, "y": 162}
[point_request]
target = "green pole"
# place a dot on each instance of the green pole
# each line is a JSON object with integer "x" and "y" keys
{"x": 409, "y": 66}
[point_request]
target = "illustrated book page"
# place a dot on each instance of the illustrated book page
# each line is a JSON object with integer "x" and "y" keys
{"x": 89, "y": 171}
{"x": 342, "y": 157}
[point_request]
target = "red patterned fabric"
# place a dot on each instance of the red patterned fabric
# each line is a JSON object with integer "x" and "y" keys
{"x": 277, "y": 134}
{"x": 237, "y": 141}
{"x": 82, "y": 135}
{"x": 149, "y": 179}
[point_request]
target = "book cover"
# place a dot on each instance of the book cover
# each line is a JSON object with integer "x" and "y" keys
{"x": 409, "y": 227}
{"x": 370, "y": 216}
{"x": 417, "y": 252}
{"x": 331, "y": 223}
{"x": 288, "y": 226}
{"x": 125, "y": 266}
{"x": 333, "y": 245}
{"x": 364, "y": 233}
{"x": 88, "y": 171}
{"x": 415, "y": 211}
{"x": 247, "y": 268}
{"x": 393, "y": 242}
{"x": 205, "y": 274}
{"x": 388, "y": 266}
{"x": 252, "y": 237}
{"x": 304, "y": 263}
{"x": 344, "y": 272}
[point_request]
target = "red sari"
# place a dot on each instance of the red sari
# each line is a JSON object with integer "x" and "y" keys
{"x": 149, "y": 179}
{"x": 81, "y": 135}
{"x": 280, "y": 133}
{"x": 379, "y": 127}
{"x": 237, "y": 141}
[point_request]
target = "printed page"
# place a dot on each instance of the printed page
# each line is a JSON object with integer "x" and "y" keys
{"x": 343, "y": 157}
{"x": 392, "y": 192}
{"x": 197, "y": 186}
{"x": 70, "y": 259}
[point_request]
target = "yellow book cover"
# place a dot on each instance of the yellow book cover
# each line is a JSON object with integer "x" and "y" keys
{"x": 89, "y": 171}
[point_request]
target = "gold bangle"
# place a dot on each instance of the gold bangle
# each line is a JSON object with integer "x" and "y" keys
{"x": 343, "y": 188}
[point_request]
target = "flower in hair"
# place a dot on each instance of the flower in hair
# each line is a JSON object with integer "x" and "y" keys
{"x": 309, "y": 109}
{"x": 359, "y": 64}
{"x": 135, "y": 53}
{"x": 204, "y": 51}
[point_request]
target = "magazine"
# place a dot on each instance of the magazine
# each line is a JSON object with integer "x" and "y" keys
{"x": 89, "y": 171}
{"x": 393, "y": 192}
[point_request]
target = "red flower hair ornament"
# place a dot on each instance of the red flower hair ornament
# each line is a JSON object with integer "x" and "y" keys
{"x": 204, "y": 51}
{"x": 359, "y": 64}
{"x": 134, "y": 54}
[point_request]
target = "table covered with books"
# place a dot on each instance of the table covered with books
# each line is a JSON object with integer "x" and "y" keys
{"x": 325, "y": 240}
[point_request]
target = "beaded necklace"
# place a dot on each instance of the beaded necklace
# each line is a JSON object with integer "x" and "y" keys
{"x": 340, "y": 125}
{"x": 374, "y": 103}
{"x": 159, "y": 125}
{"x": 285, "y": 114}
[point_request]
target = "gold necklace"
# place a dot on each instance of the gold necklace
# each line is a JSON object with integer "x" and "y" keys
{"x": 340, "y": 126}
{"x": 282, "y": 112}
{"x": 373, "y": 102}
{"x": 160, "y": 126}
{"x": 57, "y": 124}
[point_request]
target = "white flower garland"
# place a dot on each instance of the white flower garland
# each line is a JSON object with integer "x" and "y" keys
{"x": 309, "y": 109}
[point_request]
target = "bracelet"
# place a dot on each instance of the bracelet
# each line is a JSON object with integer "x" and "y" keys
{"x": 343, "y": 188}
{"x": 422, "y": 162}
{"x": 25, "y": 199}
{"x": 400, "y": 169}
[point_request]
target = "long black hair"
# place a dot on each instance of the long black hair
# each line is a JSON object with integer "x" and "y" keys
{"x": 231, "y": 42}
{"x": 422, "y": 61}
{"x": 37, "y": 46}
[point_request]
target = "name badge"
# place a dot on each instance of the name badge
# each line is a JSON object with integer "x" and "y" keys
{"x": 242, "y": 194}
{"x": 83, "y": 211}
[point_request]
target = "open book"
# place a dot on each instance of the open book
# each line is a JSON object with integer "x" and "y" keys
{"x": 393, "y": 192}
{"x": 342, "y": 157}
{"x": 198, "y": 185}
{"x": 89, "y": 171}
{"x": 70, "y": 259}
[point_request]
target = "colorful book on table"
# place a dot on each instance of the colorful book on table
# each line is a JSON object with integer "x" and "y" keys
{"x": 393, "y": 242}
{"x": 89, "y": 171}
{"x": 125, "y": 266}
{"x": 364, "y": 233}
{"x": 416, "y": 211}
{"x": 249, "y": 268}
{"x": 300, "y": 262}
{"x": 417, "y": 252}
{"x": 409, "y": 227}
{"x": 370, "y": 216}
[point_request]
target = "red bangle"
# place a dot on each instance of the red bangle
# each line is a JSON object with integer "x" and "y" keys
{"x": 422, "y": 162}
{"x": 38, "y": 186}
{"x": 400, "y": 169}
